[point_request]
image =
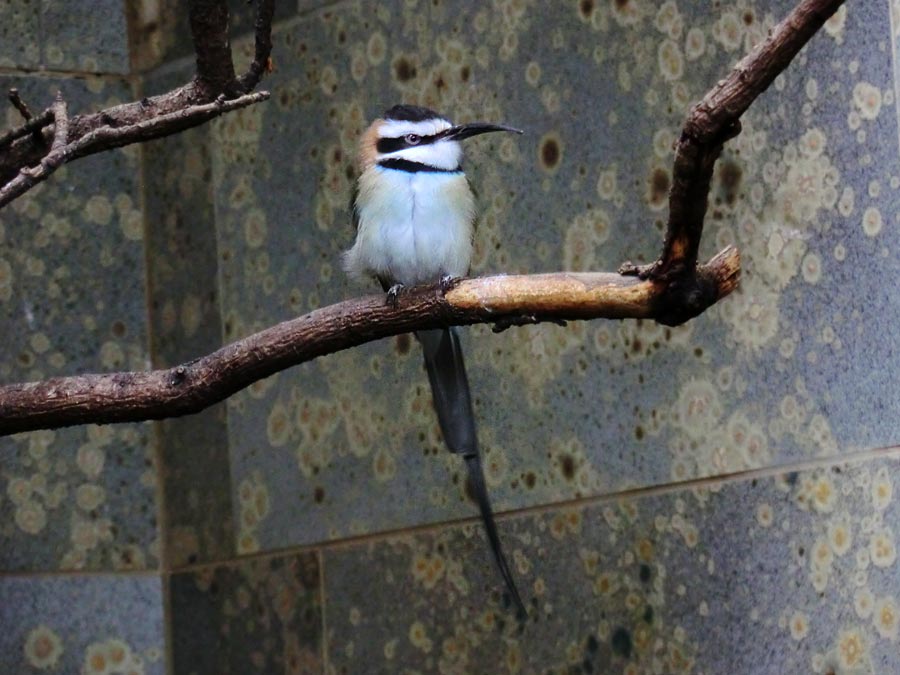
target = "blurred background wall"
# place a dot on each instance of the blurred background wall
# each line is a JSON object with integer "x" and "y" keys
{"x": 711, "y": 499}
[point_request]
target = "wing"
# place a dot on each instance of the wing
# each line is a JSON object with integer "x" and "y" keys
{"x": 475, "y": 201}
{"x": 354, "y": 207}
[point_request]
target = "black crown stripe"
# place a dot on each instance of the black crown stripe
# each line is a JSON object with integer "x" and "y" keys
{"x": 410, "y": 113}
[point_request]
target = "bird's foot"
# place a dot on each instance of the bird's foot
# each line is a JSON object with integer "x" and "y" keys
{"x": 448, "y": 281}
{"x": 393, "y": 294}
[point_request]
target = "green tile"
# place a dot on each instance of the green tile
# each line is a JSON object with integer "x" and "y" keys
{"x": 85, "y": 36}
{"x": 20, "y": 45}
{"x": 72, "y": 301}
{"x": 781, "y": 371}
{"x": 185, "y": 323}
{"x": 785, "y": 574}
{"x": 256, "y": 616}
{"x": 75, "y": 624}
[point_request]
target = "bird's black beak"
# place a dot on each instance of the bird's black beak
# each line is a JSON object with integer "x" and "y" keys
{"x": 463, "y": 131}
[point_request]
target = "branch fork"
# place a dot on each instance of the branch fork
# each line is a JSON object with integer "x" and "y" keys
{"x": 26, "y": 161}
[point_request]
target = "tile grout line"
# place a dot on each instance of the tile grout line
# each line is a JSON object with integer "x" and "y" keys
{"x": 375, "y": 537}
{"x": 46, "y": 73}
{"x": 80, "y": 574}
{"x": 320, "y": 552}
{"x": 892, "y": 31}
{"x": 628, "y": 493}
{"x": 168, "y": 623}
{"x": 155, "y": 427}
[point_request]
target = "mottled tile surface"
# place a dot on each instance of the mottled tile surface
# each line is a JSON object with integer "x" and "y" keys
{"x": 87, "y": 36}
{"x": 247, "y": 218}
{"x": 809, "y": 193}
{"x": 787, "y": 574}
{"x": 257, "y": 616}
{"x": 98, "y": 625}
{"x": 185, "y": 323}
{"x": 20, "y": 44}
{"x": 84, "y": 35}
{"x": 72, "y": 301}
{"x": 162, "y": 29}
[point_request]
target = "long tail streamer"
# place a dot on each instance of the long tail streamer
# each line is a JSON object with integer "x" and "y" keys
{"x": 450, "y": 389}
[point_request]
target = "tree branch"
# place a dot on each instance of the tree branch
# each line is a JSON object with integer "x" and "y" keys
{"x": 670, "y": 291}
{"x": 58, "y": 155}
{"x": 32, "y": 125}
{"x": 108, "y": 137}
{"x": 262, "y": 47}
{"x": 193, "y": 386}
{"x": 209, "y": 21}
{"x": 715, "y": 120}
{"x": 189, "y": 105}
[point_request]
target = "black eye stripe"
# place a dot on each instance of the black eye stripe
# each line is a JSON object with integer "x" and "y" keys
{"x": 389, "y": 145}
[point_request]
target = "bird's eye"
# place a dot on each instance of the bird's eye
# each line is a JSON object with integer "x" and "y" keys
{"x": 413, "y": 139}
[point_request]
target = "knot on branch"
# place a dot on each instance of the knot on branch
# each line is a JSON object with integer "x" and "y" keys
{"x": 687, "y": 294}
{"x": 684, "y": 297}
{"x": 179, "y": 375}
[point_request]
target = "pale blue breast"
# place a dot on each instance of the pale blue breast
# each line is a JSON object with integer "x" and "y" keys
{"x": 413, "y": 227}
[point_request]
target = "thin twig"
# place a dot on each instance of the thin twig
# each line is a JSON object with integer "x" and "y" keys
{"x": 154, "y": 116}
{"x": 25, "y": 112}
{"x": 31, "y": 176}
{"x": 111, "y": 137}
{"x": 60, "y": 125}
{"x": 19, "y": 104}
{"x": 262, "y": 46}
{"x": 34, "y": 124}
{"x": 162, "y": 125}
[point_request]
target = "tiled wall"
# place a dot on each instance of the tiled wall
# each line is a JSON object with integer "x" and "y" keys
{"x": 705, "y": 499}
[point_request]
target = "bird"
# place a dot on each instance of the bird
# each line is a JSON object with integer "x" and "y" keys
{"x": 414, "y": 213}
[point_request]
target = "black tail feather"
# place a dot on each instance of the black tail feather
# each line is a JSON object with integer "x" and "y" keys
{"x": 476, "y": 475}
{"x": 453, "y": 403}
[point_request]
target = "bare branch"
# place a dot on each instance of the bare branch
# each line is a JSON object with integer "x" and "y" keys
{"x": 715, "y": 120}
{"x": 189, "y": 105}
{"x": 19, "y": 104}
{"x": 31, "y": 126}
{"x": 59, "y": 152}
{"x": 193, "y": 386}
{"x": 106, "y": 137}
{"x": 262, "y": 46}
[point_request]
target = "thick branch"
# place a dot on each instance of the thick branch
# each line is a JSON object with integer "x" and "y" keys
{"x": 193, "y": 386}
{"x": 152, "y": 117}
{"x": 715, "y": 120}
{"x": 209, "y": 28}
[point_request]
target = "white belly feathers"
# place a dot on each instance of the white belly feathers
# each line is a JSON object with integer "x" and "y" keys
{"x": 413, "y": 227}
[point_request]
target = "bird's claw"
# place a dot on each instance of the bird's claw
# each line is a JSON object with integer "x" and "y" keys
{"x": 393, "y": 295}
{"x": 447, "y": 282}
